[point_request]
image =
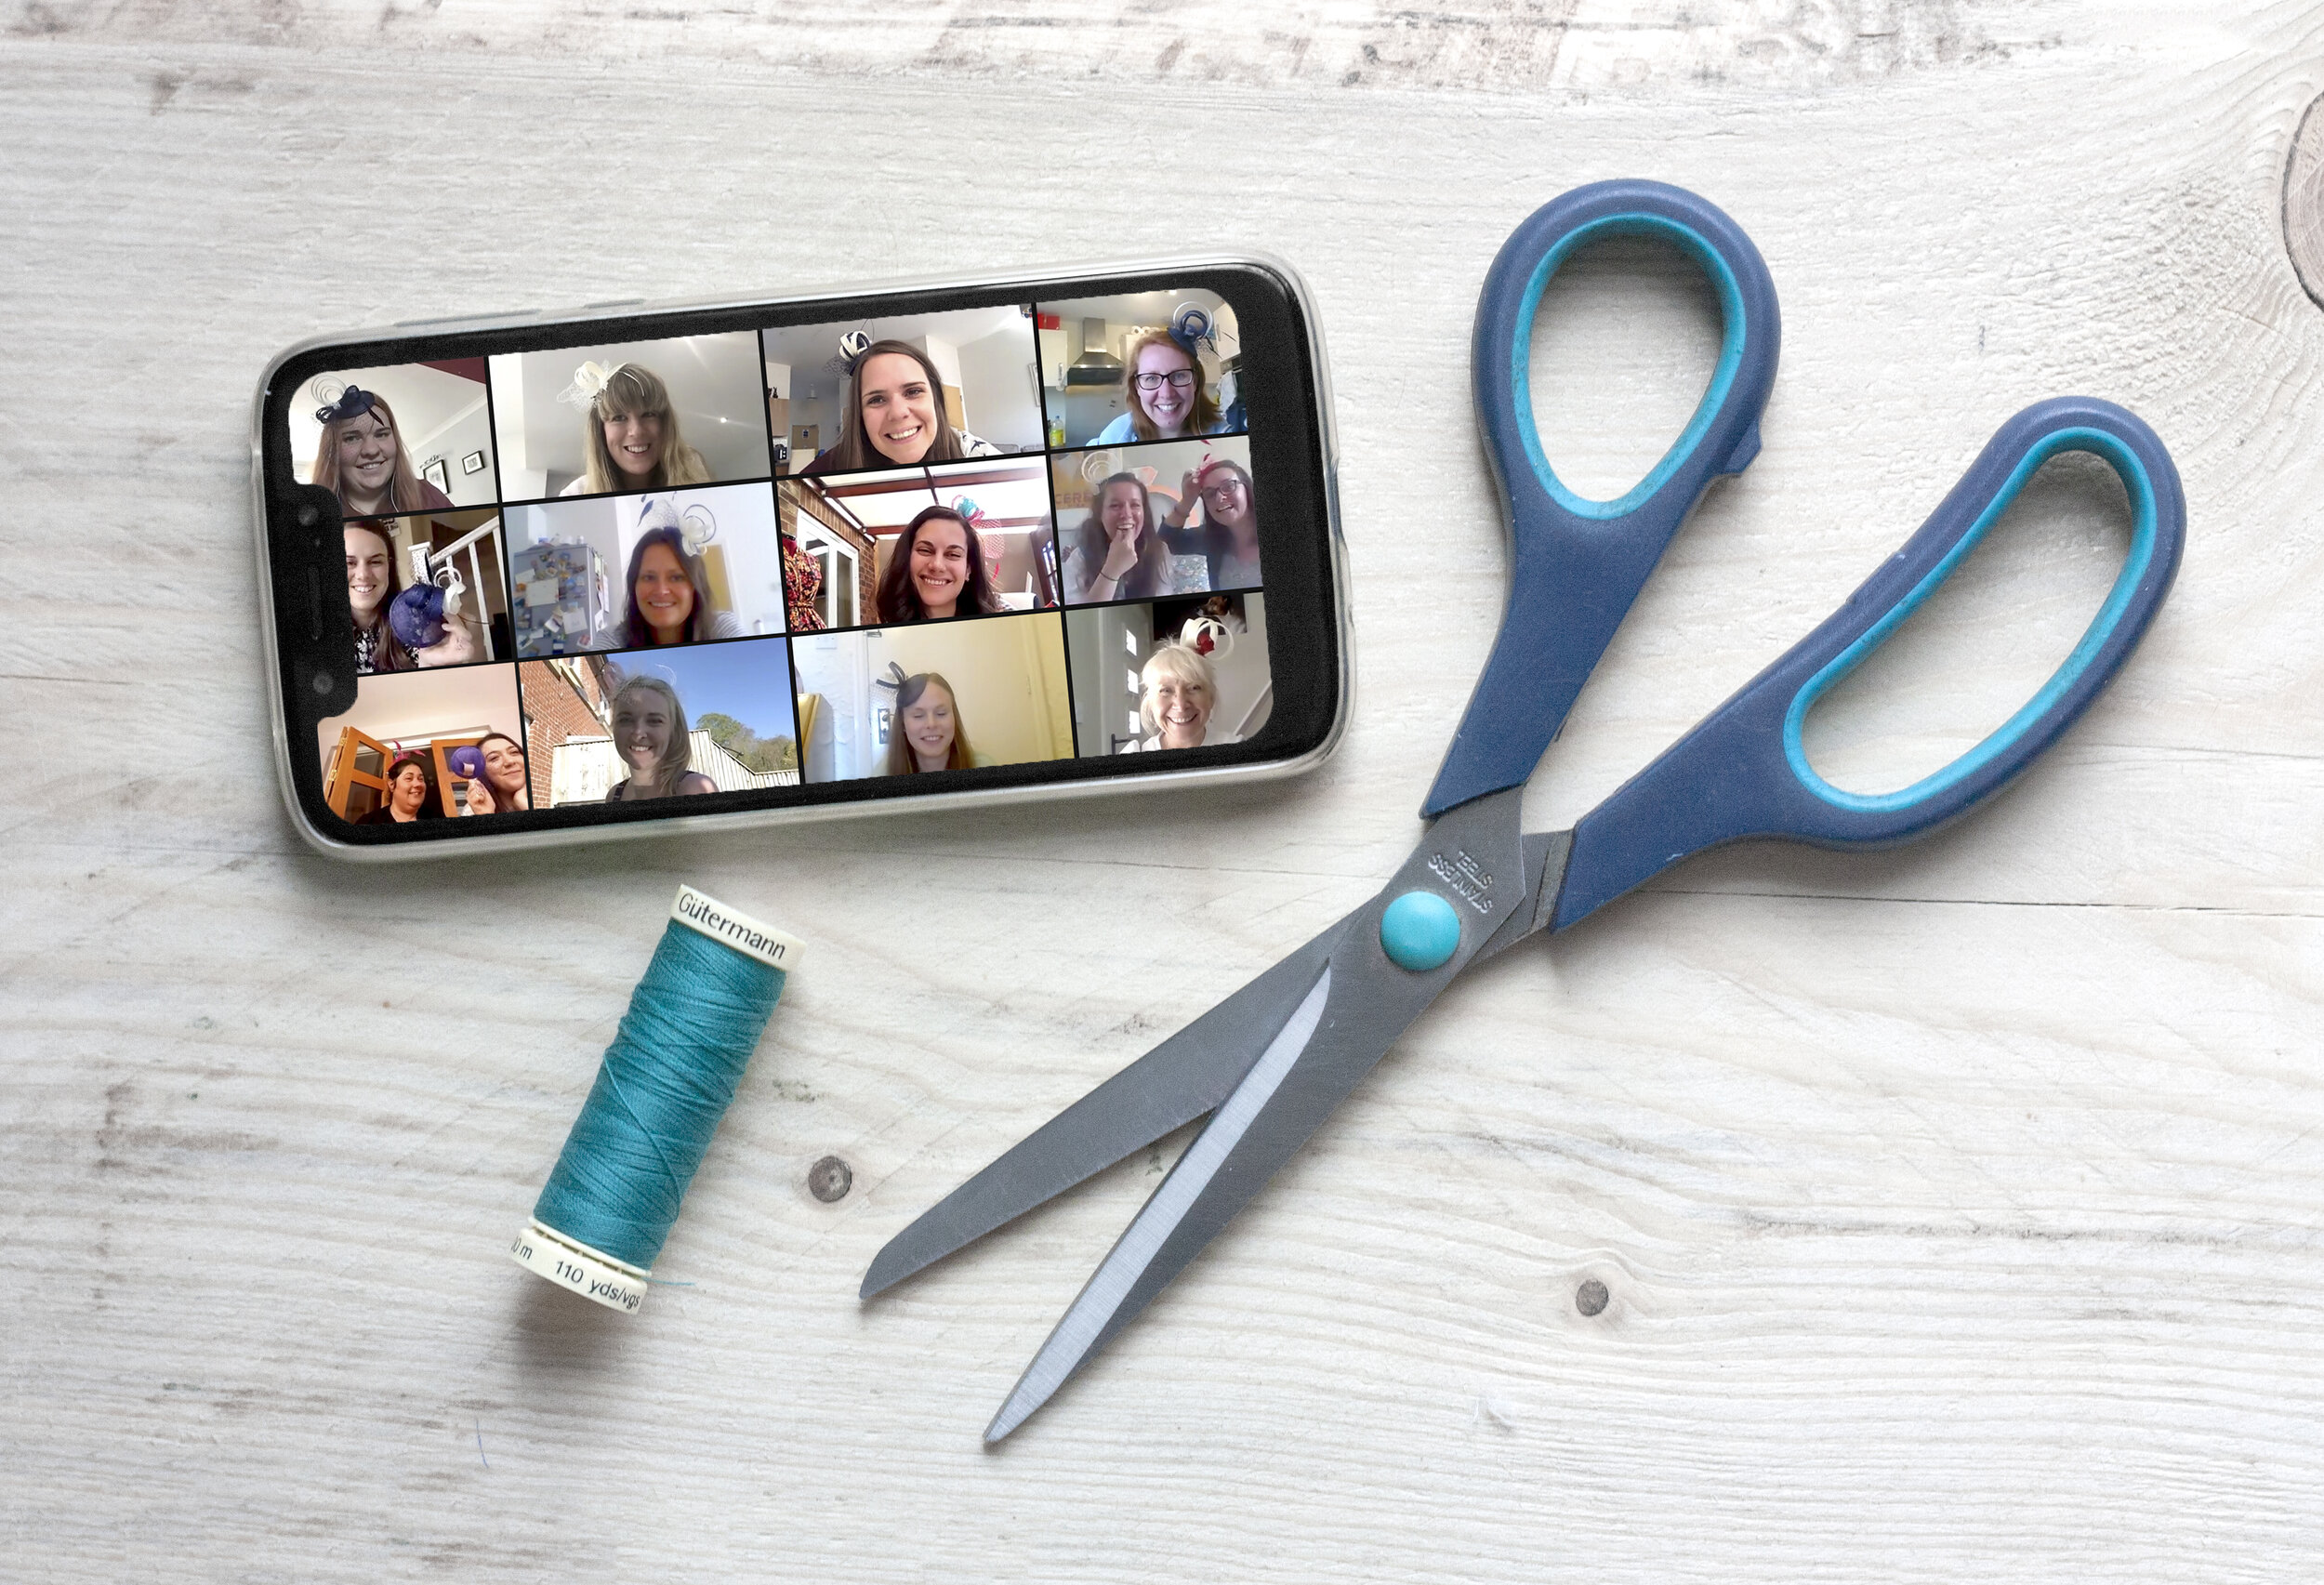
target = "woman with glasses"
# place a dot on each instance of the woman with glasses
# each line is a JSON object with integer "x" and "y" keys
{"x": 1168, "y": 400}
{"x": 1227, "y": 533}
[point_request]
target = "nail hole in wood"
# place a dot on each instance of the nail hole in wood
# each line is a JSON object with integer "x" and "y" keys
{"x": 2304, "y": 200}
{"x": 1590, "y": 1297}
{"x": 830, "y": 1179}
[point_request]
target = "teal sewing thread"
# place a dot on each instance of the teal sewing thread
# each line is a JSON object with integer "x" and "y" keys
{"x": 665, "y": 1081}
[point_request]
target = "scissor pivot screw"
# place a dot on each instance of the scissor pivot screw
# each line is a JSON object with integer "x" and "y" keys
{"x": 1420, "y": 931}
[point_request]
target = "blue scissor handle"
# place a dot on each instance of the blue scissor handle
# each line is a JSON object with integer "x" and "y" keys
{"x": 1576, "y": 564}
{"x": 1742, "y": 773}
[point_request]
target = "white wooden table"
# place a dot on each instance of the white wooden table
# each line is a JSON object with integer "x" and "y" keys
{"x": 1959, "y": 1208}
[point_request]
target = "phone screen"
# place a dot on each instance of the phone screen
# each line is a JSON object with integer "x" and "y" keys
{"x": 753, "y": 567}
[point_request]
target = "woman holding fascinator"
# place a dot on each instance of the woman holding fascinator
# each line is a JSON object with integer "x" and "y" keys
{"x": 374, "y": 588}
{"x": 494, "y": 767}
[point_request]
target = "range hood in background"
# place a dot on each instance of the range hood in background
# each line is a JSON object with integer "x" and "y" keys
{"x": 1096, "y": 366}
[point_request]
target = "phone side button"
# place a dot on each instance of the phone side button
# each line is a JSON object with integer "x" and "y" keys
{"x": 466, "y": 318}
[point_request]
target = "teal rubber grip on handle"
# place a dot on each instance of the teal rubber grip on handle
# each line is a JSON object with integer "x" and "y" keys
{"x": 1743, "y": 772}
{"x": 1577, "y": 565}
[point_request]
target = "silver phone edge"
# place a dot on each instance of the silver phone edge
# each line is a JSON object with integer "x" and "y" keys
{"x": 735, "y": 820}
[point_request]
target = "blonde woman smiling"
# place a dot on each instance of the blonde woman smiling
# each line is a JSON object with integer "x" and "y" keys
{"x": 1179, "y": 693}
{"x": 649, "y": 734}
{"x": 629, "y": 433}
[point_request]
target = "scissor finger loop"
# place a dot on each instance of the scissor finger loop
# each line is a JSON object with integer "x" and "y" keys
{"x": 1576, "y": 564}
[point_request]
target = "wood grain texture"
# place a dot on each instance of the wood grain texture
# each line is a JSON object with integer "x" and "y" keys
{"x": 1961, "y": 1210}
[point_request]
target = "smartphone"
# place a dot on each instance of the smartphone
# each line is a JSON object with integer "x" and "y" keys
{"x": 541, "y": 577}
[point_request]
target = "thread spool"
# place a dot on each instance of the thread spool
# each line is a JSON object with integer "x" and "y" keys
{"x": 665, "y": 1081}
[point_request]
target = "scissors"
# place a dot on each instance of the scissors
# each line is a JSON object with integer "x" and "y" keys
{"x": 1271, "y": 1062}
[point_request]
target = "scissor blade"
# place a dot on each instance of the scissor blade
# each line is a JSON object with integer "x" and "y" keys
{"x": 1106, "y": 1304}
{"x": 1356, "y": 1009}
{"x": 1182, "y": 1078}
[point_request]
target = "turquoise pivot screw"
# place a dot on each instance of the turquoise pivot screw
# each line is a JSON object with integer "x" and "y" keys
{"x": 1420, "y": 931}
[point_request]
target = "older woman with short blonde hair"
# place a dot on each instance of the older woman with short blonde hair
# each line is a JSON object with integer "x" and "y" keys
{"x": 1178, "y": 693}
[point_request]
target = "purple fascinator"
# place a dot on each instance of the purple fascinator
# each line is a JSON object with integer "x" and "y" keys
{"x": 416, "y": 617}
{"x": 347, "y": 402}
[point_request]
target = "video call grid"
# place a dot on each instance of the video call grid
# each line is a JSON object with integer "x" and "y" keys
{"x": 772, "y": 479}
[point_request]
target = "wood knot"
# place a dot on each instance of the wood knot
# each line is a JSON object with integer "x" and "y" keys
{"x": 1590, "y": 1297}
{"x": 830, "y": 1179}
{"x": 2304, "y": 200}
